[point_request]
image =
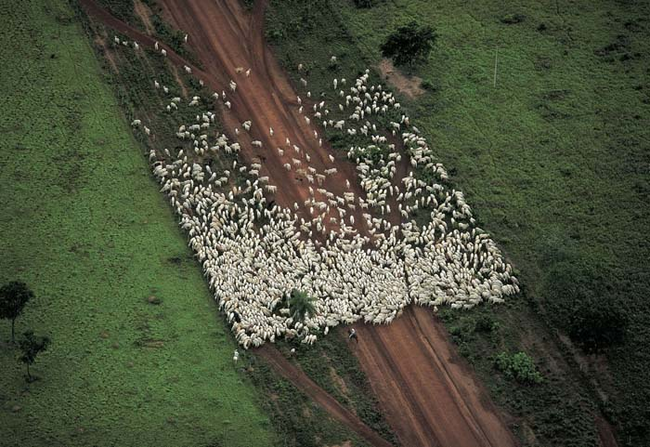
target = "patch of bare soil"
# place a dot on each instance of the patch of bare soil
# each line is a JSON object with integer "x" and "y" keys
{"x": 593, "y": 366}
{"x": 107, "y": 53}
{"x": 184, "y": 93}
{"x": 339, "y": 382}
{"x": 529, "y": 435}
{"x": 144, "y": 13}
{"x": 605, "y": 433}
{"x": 411, "y": 86}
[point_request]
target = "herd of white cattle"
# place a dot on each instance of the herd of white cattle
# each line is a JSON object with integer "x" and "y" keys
{"x": 255, "y": 252}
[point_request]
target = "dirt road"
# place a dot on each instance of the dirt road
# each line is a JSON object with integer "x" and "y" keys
{"x": 428, "y": 401}
{"x": 428, "y": 396}
{"x": 225, "y": 38}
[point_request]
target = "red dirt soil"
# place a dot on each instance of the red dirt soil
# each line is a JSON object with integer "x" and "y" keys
{"x": 224, "y": 37}
{"x": 429, "y": 397}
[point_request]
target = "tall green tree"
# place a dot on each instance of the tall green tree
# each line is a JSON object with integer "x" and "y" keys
{"x": 30, "y": 346}
{"x": 409, "y": 44}
{"x": 597, "y": 324}
{"x": 300, "y": 305}
{"x": 13, "y": 298}
{"x": 586, "y": 303}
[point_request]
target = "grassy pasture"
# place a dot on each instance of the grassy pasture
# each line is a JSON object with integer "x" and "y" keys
{"x": 84, "y": 225}
{"x": 554, "y": 162}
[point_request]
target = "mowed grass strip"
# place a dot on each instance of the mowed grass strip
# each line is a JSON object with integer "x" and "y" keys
{"x": 84, "y": 225}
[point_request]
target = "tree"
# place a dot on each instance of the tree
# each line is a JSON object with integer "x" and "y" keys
{"x": 598, "y": 324}
{"x": 585, "y": 301}
{"x": 300, "y": 305}
{"x": 13, "y": 298}
{"x": 30, "y": 346}
{"x": 409, "y": 44}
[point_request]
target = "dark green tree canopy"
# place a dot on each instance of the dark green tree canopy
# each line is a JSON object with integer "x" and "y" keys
{"x": 30, "y": 346}
{"x": 13, "y": 298}
{"x": 409, "y": 44}
{"x": 597, "y": 324}
{"x": 300, "y": 305}
{"x": 590, "y": 306}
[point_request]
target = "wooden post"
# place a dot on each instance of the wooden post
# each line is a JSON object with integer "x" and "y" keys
{"x": 496, "y": 62}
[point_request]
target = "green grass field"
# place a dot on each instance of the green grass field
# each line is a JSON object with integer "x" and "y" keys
{"x": 84, "y": 225}
{"x": 554, "y": 161}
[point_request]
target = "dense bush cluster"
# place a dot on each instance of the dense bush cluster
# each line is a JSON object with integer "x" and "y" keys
{"x": 582, "y": 305}
{"x": 364, "y": 3}
{"x": 519, "y": 366}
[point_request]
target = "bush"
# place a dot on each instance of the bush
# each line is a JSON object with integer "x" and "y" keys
{"x": 597, "y": 324}
{"x": 519, "y": 366}
{"x": 511, "y": 19}
{"x": 485, "y": 324}
{"x": 364, "y": 3}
